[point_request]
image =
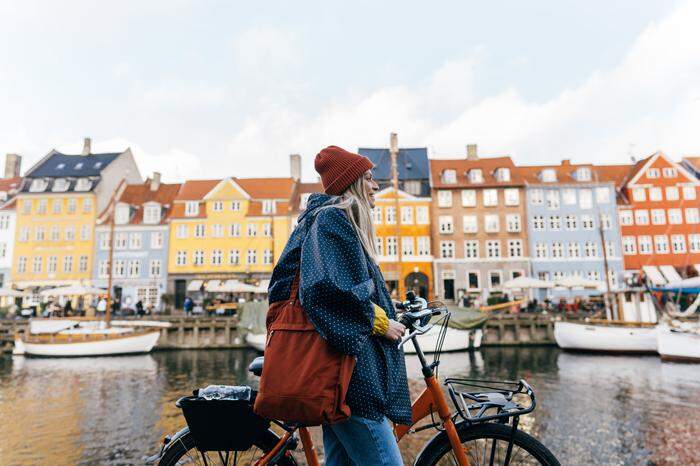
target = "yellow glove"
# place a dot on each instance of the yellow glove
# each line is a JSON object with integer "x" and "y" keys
{"x": 381, "y": 321}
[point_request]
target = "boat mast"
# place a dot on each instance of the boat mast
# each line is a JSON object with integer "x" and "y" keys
{"x": 394, "y": 152}
{"x": 609, "y": 311}
{"x": 108, "y": 311}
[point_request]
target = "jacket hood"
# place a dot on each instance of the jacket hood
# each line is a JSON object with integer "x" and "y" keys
{"x": 316, "y": 201}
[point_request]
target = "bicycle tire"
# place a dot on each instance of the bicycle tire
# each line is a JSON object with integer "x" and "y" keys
{"x": 186, "y": 444}
{"x": 440, "y": 446}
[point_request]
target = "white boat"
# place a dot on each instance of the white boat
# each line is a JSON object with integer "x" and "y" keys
{"x": 682, "y": 344}
{"x": 455, "y": 340}
{"x": 256, "y": 341}
{"x": 606, "y": 337}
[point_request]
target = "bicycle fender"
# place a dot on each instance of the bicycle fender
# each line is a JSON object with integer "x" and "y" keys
{"x": 173, "y": 440}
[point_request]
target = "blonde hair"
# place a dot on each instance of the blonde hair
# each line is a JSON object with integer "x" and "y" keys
{"x": 355, "y": 202}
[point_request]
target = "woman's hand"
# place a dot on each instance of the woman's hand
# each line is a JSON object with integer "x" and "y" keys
{"x": 395, "y": 331}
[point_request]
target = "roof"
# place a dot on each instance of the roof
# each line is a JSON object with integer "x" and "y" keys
{"x": 10, "y": 184}
{"x": 462, "y": 166}
{"x": 60, "y": 165}
{"x": 566, "y": 173}
{"x": 301, "y": 189}
{"x": 267, "y": 188}
{"x": 412, "y": 163}
{"x": 693, "y": 162}
{"x": 136, "y": 195}
{"x": 195, "y": 190}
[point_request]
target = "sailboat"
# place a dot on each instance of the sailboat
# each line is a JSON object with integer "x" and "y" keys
{"x": 680, "y": 340}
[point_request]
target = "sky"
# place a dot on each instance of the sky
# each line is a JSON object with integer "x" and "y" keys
{"x": 206, "y": 89}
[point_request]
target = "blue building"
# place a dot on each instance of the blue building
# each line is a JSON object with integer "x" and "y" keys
{"x": 566, "y": 207}
{"x": 140, "y": 259}
{"x": 412, "y": 164}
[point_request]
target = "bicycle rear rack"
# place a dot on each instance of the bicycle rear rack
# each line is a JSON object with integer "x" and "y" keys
{"x": 487, "y": 400}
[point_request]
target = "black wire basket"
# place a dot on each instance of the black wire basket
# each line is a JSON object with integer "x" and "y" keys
{"x": 488, "y": 400}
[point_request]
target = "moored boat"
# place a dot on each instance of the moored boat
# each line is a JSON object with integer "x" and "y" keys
{"x": 455, "y": 340}
{"x": 605, "y": 336}
{"x": 679, "y": 344}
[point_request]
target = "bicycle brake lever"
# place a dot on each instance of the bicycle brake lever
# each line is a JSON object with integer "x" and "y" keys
{"x": 417, "y": 330}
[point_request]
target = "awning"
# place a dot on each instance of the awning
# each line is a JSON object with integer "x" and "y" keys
{"x": 44, "y": 283}
{"x": 689, "y": 285}
{"x": 234, "y": 286}
{"x": 654, "y": 275}
{"x": 262, "y": 286}
{"x": 670, "y": 274}
{"x": 577, "y": 281}
{"x": 73, "y": 290}
{"x": 194, "y": 285}
{"x": 527, "y": 282}
{"x": 213, "y": 286}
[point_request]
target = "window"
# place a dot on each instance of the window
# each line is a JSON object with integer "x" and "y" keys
{"x": 424, "y": 245}
{"x": 422, "y": 215}
{"x": 511, "y": 196}
{"x": 252, "y": 230}
{"x": 135, "y": 241}
{"x": 655, "y": 194}
{"x": 538, "y": 223}
{"x": 22, "y": 264}
{"x": 570, "y": 222}
{"x": 121, "y": 215}
{"x": 181, "y": 231}
{"x": 513, "y": 223}
{"x": 191, "y": 208}
{"x": 38, "y": 185}
{"x": 548, "y": 175}
{"x": 653, "y": 173}
{"x": 694, "y": 242}
{"x": 587, "y": 222}
{"x": 156, "y": 240}
{"x": 583, "y": 174}
{"x": 557, "y": 275}
{"x": 585, "y": 198}
{"x": 536, "y": 197}
{"x": 678, "y": 244}
{"x": 83, "y": 184}
{"x": 40, "y": 233}
{"x": 476, "y": 175}
{"x": 491, "y": 223}
{"x": 606, "y": 221}
{"x": 36, "y": 264}
{"x": 3, "y": 250}
{"x": 555, "y": 223}
{"x": 83, "y": 264}
{"x": 691, "y": 215}
{"x": 626, "y": 217}
{"x": 377, "y": 215}
{"x": 629, "y": 245}
{"x": 675, "y": 216}
{"x": 444, "y": 199}
{"x": 445, "y": 223}
{"x": 557, "y": 249}
{"x": 87, "y": 205}
{"x": 103, "y": 269}
{"x": 540, "y": 250}
{"x": 181, "y": 258}
{"x": 574, "y": 250}
{"x": 379, "y": 245}
{"x": 391, "y": 215}
{"x": 568, "y": 196}
{"x": 493, "y": 249}
{"x": 267, "y": 257}
{"x": 552, "y": 199}
{"x": 234, "y": 257}
{"x": 407, "y": 215}
{"x": 672, "y": 193}
{"x": 503, "y": 174}
{"x": 447, "y": 249}
{"x": 252, "y": 257}
{"x": 134, "y": 268}
{"x": 235, "y": 206}
{"x": 199, "y": 230}
{"x": 198, "y": 257}
{"x": 268, "y": 206}
{"x": 234, "y": 230}
{"x": 670, "y": 172}
{"x": 391, "y": 246}
{"x": 217, "y": 206}
{"x": 55, "y": 233}
{"x": 120, "y": 240}
{"x": 661, "y": 244}
{"x": 515, "y": 248}
{"x": 602, "y": 195}
{"x": 412, "y": 187}
{"x": 449, "y": 176}
{"x": 644, "y": 243}
{"x": 639, "y": 195}
{"x": 4, "y": 222}
{"x": 490, "y": 197}
{"x": 70, "y": 233}
{"x": 407, "y": 246}
{"x": 641, "y": 217}
{"x": 155, "y": 268}
{"x": 56, "y": 206}
{"x": 471, "y": 249}
{"x": 24, "y": 234}
{"x": 658, "y": 217}
{"x": 85, "y": 231}
{"x": 689, "y": 193}
{"x": 494, "y": 278}
{"x": 52, "y": 264}
{"x": 267, "y": 230}
{"x": 594, "y": 275}
{"x": 468, "y": 198}
{"x": 151, "y": 214}
{"x": 217, "y": 257}
{"x": 590, "y": 249}
{"x": 473, "y": 280}
{"x": 27, "y": 207}
{"x": 42, "y": 206}
{"x": 217, "y": 231}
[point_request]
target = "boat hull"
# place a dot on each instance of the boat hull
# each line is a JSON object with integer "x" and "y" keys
{"x": 257, "y": 341}
{"x": 605, "y": 338}
{"x": 678, "y": 345}
{"x": 455, "y": 340}
{"x": 131, "y": 344}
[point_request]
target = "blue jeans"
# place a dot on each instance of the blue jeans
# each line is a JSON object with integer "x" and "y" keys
{"x": 361, "y": 442}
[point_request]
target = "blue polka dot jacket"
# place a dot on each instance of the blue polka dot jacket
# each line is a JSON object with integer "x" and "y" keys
{"x": 338, "y": 285}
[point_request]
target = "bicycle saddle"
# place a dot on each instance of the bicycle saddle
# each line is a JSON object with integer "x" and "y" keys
{"x": 256, "y": 366}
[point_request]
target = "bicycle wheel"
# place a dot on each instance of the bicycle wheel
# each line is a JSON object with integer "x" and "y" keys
{"x": 183, "y": 452}
{"x": 487, "y": 444}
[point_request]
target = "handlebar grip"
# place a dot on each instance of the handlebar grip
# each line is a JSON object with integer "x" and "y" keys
{"x": 405, "y": 320}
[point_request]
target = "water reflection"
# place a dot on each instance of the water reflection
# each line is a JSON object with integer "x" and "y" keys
{"x": 591, "y": 409}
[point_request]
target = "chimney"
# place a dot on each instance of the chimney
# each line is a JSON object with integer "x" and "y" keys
{"x": 155, "y": 181}
{"x": 13, "y": 163}
{"x": 471, "y": 152}
{"x": 566, "y": 162}
{"x": 295, "y": 166}
{"x": 87, "y": 143}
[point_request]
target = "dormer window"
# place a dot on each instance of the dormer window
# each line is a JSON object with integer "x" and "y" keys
{"x": 268, "y": 206}
{"x": 549, "y": 175}
{"x": 449, "y": 176}
{"x": 670, "y": 172}
{"x": 38, "y": 185}
{"x": 60, "y": 185}
{"x": 83, "y": 184}
{"x": 121, "y": 215}
{"x": 503, "y": 174}
{"x": 97, "y": 165}
{"x": 191, "y": 208}
{"x": 583, "y": 174}
{"x": 476, "y": 175}
{"x": 60, "y": 166}
{"x": 151, "y": 213}
{"x": 78, "y": 165}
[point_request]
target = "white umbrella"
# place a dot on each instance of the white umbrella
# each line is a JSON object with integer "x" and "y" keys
{"x": 527, "y": 282}
{"x": 234, "y": 286}
{"x": 73, "y": 290}
{"x": 9, "y": 292}
{"x": 577, "y": 281}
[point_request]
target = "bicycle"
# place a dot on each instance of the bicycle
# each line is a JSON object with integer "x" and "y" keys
{"x": 483, "y": 430}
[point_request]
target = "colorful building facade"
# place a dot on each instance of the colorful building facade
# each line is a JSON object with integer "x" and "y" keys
{"x": 9, "y": 187}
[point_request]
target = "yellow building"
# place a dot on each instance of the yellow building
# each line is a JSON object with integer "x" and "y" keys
{"x": 403, "y": 248}
{"x": 229, "y": 229}
{"x": 56, "y": 207}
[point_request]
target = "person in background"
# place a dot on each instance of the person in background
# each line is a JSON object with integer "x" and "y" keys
{"x": 68, "y": 308}
{"x": 188, "y": 305}
{"x": 102, "y": 306}
{"x": 139, "y": 308}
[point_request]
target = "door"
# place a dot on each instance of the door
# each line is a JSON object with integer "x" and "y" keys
{"x": 180, "y": 290}
{"x": 448, "y": 285}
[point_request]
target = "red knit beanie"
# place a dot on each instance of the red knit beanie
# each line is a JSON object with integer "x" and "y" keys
{"x": 339, "y": 168}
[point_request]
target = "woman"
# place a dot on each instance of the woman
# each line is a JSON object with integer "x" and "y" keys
{"x": 343, "y": 293}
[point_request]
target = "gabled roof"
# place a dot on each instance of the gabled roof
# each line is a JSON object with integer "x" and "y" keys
{"x": 566, "y": 173}
{"x": 267, "y": 188}
{"x": 693, "y": 163}
{"x": 10, "y": 185}
{"x": 641, "y": 167}
{"x": 387, "y": 194}
{"x": 412, "y": 163}
{"x": 136, "y": 195}
{"x": 59, "y": 165}
{"x": 195, "y": 190}
{"x": 462, "y": 166}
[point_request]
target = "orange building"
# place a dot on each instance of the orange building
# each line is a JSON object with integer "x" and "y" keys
{"x": 413, "y": 251}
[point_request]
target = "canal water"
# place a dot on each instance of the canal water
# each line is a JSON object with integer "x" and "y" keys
{"x": 607, "y": 410}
